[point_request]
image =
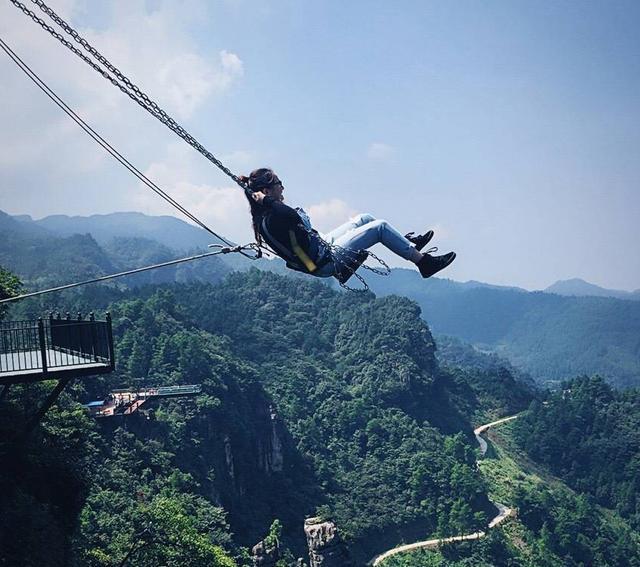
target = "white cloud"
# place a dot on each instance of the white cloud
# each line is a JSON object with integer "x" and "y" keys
{"x": 223, "y": 209}
{"x": 379, "y": 151}
{"x": 231, "y": 63}
{"x": 188, "y": 80}
{"x": 330, "y": 214}
{"x": 154, "y": 48}
{"x": 184, "y": 175}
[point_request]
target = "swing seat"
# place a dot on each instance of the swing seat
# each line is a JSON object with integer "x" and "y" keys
{"x": 347, "y": 264}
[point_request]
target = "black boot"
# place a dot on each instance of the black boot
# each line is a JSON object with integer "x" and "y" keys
{"x": 429, "y": 265}
{"x": 421, "y": 240}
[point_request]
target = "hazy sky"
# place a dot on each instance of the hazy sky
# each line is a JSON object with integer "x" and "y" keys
{"x": 511, "y": 127}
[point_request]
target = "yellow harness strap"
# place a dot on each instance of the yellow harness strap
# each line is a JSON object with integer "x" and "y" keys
{"x": 300, "y": 253}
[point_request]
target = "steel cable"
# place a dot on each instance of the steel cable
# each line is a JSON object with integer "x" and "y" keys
{"x": 222, "y": 250}
{"x": 120, "y": 80}
{"x": 102, "y": 142}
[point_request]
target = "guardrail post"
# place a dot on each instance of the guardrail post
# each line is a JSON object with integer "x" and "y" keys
{"x": 94, "y": 336}
{"x": 112, "y": 356}
{"x": 43, "y": 345}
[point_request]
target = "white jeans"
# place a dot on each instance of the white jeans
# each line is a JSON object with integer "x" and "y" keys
{"x": 363, "y": 231}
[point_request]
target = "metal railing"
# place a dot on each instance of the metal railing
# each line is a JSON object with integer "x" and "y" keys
{"x": 179, "y": 390}
{"x": 55, "y": 343}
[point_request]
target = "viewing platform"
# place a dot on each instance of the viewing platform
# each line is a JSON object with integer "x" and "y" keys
{"x": 55, "y": 348}
{"x": 126, "y": 402}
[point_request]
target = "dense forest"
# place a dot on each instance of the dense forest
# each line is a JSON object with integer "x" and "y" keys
{"x": 587, "y": 434}
{"x": 314, "y": 402}
{"x": 558, "y": 525}
{"x": 554, "y": 528}
{"x": 43, "y": 259}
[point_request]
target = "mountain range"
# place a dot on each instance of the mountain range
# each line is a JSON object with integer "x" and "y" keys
{"x": 169, "y": 231}
{"x": 570, "y": 328}
{"x": 182, "y": 236}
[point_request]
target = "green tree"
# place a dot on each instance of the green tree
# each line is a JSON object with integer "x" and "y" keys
{"x": 10, "y": 286}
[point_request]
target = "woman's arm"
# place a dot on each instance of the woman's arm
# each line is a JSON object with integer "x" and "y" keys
{"x": 280, "y": 210}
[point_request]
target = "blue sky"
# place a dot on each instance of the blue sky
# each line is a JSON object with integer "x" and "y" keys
{"x": 513, "y": 128}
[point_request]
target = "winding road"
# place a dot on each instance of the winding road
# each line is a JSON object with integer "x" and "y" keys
{"x": 503, "y": 511}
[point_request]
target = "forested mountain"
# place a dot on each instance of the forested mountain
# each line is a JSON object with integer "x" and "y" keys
{"x": 554, "y": 525}
{"x": 314, "y": 402}
{"x": 494, "y": 386}
{"x": 587, "y": 434}
{"x": 548, "y": 336}
{"x": 43, "y": 258}
{"x": 168, "y": 231}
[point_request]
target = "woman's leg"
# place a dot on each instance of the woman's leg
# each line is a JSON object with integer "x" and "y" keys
{"x": 378, "y": 231}
{"x": 351, "y": 224}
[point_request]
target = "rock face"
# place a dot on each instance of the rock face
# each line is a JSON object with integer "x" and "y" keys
{"x": 270, "y": 450}
{"x": 264, "y": 556}
{"x": 326, "y": 548}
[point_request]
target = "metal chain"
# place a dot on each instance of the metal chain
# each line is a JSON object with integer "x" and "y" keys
{"x": 121, "y": 81}
{"x": 102, "y": 141}
{"x": 124, "y": 84}
{"x": 70, "y": 46}
{"x": 142, "y": 98}
{"x": 385, "y": 270}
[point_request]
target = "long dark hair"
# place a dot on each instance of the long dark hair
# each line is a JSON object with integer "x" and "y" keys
{"x": 258, "y": 180}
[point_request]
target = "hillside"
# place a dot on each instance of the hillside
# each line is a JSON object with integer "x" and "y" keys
{"x": 554, "y": 526}
{"x": 123, "y": 241}
{"x": 587, "y": 434}
{"x": 168, "y": 231}
{"x": 548, "y": 336}
{"x": 50, "y": 256}
{"x": 314, "y": 402}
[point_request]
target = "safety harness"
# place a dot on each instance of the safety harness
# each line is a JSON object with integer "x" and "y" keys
{"x": 294, "y": 255}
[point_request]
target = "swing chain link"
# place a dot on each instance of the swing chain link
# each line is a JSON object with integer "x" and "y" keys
{"x": 383, "y": 270}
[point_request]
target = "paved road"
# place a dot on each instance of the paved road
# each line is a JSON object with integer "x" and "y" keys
{"x": 479, "y": 430}
{"x": 503, "y": 511}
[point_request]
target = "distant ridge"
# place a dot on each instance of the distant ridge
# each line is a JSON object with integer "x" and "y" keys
{"x": 169, "y": 231}
{"x": 579, "y": 288}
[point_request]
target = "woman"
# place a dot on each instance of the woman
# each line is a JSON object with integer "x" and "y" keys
{"x": 339, "y": 253}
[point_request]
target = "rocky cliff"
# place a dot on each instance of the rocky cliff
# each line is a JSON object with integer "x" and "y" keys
{"x": 264, "y": 555}
{"x": 326, "y": 548}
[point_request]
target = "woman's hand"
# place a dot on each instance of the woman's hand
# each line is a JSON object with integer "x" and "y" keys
{"x": 258, "y": 196}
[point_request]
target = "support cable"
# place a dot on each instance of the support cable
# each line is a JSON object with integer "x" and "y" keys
{"x": 102, "y": 142}
{"x": 221, "y": 250}
{"x": 104, "y": 67}
{"x": 118, "y": 79}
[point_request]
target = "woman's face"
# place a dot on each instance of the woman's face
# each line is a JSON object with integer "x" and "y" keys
{"x": 275, "y": 191}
